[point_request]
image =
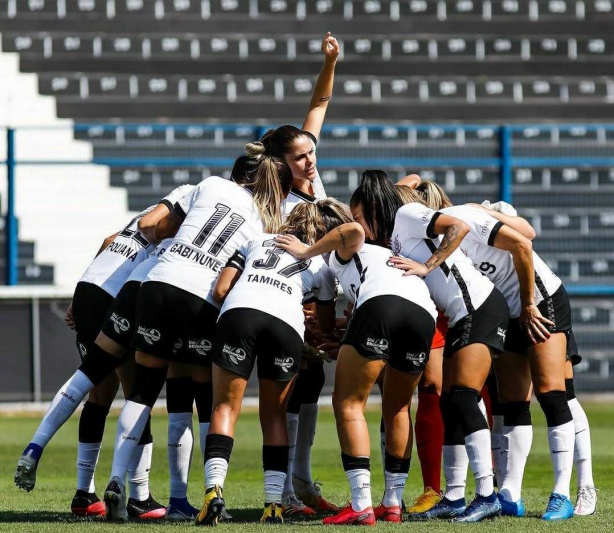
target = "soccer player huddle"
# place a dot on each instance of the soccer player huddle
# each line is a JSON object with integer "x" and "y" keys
{"x": 235, "y": 273}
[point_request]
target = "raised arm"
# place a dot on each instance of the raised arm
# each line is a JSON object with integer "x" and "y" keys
{"x": 323, "y": 89}
{"x": 346, "y": 239}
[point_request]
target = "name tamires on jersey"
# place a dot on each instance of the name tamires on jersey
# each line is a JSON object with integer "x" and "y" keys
{"x": 219, "y": 216}
{"x": 275, "y": 282}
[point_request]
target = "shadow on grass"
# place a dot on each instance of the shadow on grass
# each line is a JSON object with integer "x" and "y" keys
{"x": 42, "y": 516}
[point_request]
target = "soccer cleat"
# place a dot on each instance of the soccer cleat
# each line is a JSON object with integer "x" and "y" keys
{"x": 509, "y": 508}
{"x": 388, "y": 514}
{"x": 427, "y": 500}
{"x": 25, "y": 474}
{"x": 115, "y": 501}
{"x": 87, "y": 504}
{"x": 271, "y": 514}
{"x": 180, "y": 510}
{"x": 292, "y": 506}
{"x": 559, "y": 508}
{"x": 311, "y": 495}
{"x": 481, "y": 508}
{"x": 349, "y": 517}
{"x": 444, "y": 509}
{"x": 212, "y": 509}
{"x": 148, "y": 509}
{"x": 586, "y": 501}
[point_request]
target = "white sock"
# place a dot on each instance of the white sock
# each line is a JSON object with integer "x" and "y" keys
{"x": 273, "y": 486}
{"x": 87, "y": 459}
{"x": 561, "y": 440}
{"x": 480, "y": 460}
{"x": 455, "y": 463}
{"x": 138, "y": 472}
{"x": 64, "y": 404}
{"x": 130, "y": 427}
{"x": 497, "y": 442}
{"x": 394, "y": 487}
{"x": 203, "y": 429}
{"x": 583, "y": 454}
{"x": 360, "y": 485}
{"x": 216, "y": 470}
{"x": 308, "y": 418}
{"x": 516, "y": 445}
{"x": 180, "y": 445}
{"x": 292, "y": 427}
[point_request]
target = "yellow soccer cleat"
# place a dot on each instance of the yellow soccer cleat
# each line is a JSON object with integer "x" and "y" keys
{"x": 213, "y": 507}
{"x": 426, "y": 501}
{"x": 272, "y": 514}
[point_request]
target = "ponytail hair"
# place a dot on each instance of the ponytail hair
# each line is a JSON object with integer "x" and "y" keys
{"x": 270, "y": 182}
{"x": 380, "y": 201}
{"x": 246, "y": 165}
{"x": 433, "y": 195}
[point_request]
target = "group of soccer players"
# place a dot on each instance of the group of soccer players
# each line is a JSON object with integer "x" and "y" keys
{"x": 234, "y": 273}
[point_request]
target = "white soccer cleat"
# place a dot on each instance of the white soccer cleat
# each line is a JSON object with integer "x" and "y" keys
{"x": 25, "y": 474}
{"x": 115, "y": 501}
{"x": 586, "y": 502}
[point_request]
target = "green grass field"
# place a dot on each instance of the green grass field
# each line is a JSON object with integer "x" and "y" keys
{"x": 46, "y": 508}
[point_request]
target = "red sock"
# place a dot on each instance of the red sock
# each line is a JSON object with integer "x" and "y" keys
{"x": 429, "y": 438}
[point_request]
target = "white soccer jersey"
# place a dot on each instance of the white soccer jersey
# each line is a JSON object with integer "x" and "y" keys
{"x": 294, "y": 198}
{"x": 141, "y": 271}
{"x": 219, "y": 217}
{"x": 497, "y": 264}
{"x": 275, "y": 282}
{"x": 110, "y": 269}
{"x": 457, "y": 288}
{"x": 367, "y": 275}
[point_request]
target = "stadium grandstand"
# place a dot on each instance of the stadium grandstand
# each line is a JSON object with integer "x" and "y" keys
{"x": 106, "y": 105}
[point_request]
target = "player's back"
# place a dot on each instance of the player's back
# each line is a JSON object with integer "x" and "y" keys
{"x": 219, "y": 217}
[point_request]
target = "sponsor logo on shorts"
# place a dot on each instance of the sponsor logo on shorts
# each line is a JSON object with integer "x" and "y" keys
{"x": 178, "y": 345}
{"x": 379, "y": 346}
{"x": 234, "y": 354}
{"x": 501, "y": 332}
{"x": 201, "y": 346}
{"x": 150, "y": 335}
{"x": 120, "y": 324}
{"x": 285, "y": 363}
{"x": 416, "y": 358}
{"x": 82, "y": 349}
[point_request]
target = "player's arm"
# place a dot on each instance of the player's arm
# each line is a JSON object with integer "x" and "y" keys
{"x": 147, "y": 223}
{"x": 520, "y": 224}
{"x": 411, "y": 181}
{"x": 453, "y": 231}
{"x": 346, "y": 240}
{"x": 323, "y": 89}
{"x": 169, "y": 225}
{"x": 229, "y": 275}
{"x": 522, "y": 252}
{"x": 225, "y": 281}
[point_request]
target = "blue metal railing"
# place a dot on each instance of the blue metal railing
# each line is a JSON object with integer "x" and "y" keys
{"x": 348, "y": 146}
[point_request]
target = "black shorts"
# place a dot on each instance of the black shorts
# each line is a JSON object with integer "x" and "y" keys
{"x": 245, "y": 336}
{"x": 120, "y": 321}
{"x": 393, "y": 329}
{"x": 555, "y": 308}
{"x": 90, "y": 305}
{"x": 486, "y": 325}
{"x": 174, "y": 324}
